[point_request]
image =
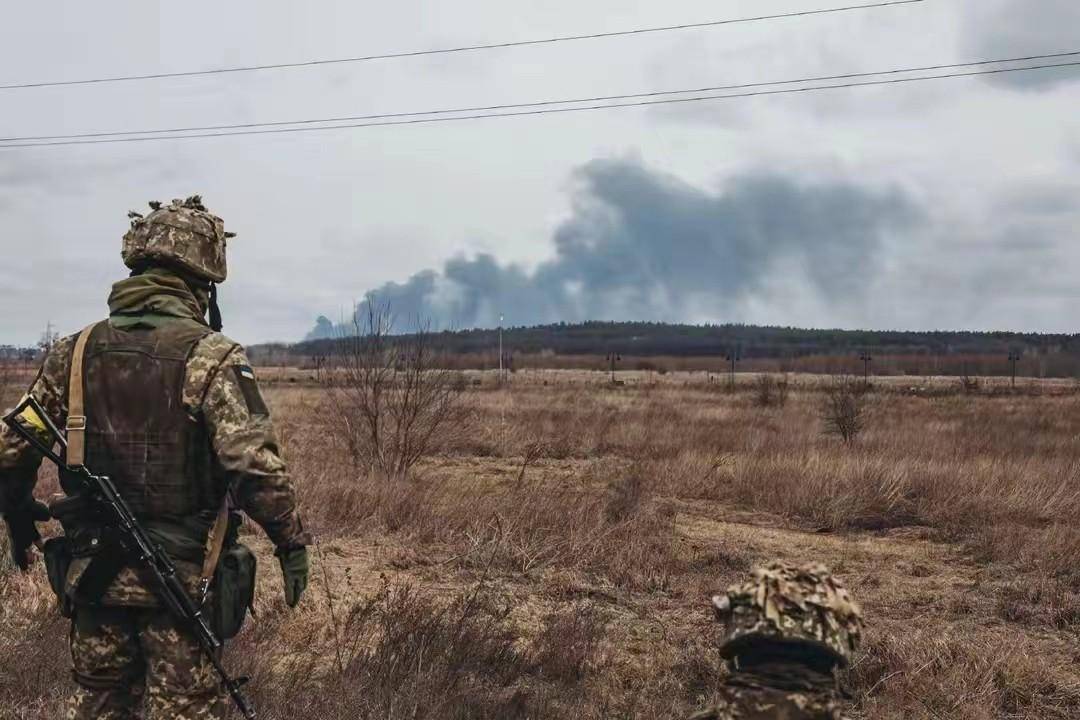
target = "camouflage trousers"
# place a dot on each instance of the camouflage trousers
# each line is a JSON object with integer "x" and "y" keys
{"x": 745, "y": 703}
{"x": 134, "y": 662}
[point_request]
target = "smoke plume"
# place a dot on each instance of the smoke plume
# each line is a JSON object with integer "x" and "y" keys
{"x": 643, "y": 245}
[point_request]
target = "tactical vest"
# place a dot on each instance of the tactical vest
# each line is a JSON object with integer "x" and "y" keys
{"x": 138, "y": 430}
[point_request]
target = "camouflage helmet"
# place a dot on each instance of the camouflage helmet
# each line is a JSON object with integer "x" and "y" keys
{"x": 183, "y": 235}
{"x": 802, "y": 606}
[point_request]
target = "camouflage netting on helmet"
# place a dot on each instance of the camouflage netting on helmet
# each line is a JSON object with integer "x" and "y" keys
{"x": 804, "y": 606}
{"x": 183, "y": 235}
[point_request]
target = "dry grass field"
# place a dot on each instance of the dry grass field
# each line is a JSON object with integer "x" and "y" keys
{"x": 553, "y": 555}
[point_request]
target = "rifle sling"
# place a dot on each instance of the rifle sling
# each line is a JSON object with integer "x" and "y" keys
{"x": 215, "y": 541}
{"x": 111, "y": 557}
{"x": 76, "y": 418}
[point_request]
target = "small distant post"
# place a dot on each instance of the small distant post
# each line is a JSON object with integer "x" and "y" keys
{"x": 732, "y": 358}
{"x": 1014, "y": 357}
{"x": 49, "y": 337}
{"x": 501, "y": 378}
{"x": 866, "y": 358}
{"x": 613, "y": 359}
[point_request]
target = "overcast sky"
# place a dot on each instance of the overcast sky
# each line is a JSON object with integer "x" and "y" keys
{"x": 944, "y": 204}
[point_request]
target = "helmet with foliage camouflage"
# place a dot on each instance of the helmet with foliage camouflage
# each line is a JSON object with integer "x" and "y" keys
{"x": 805, "y": 607}
{"x": 183, "y": 235}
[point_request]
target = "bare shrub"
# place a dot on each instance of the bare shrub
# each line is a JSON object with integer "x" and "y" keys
{"x": 524, "y": 525}
{"x": 615, "y": 537}
{"x": 844, "y": 408}
{"x": 404, "y": 655}
{"x": 955, "y": 675}
{"x": 392, "y": 402}
{"x": 533, "y": 449}
{"x": 770, "y": 391}
{"x": 1053, "y": 550}
{"x": 33, "y": 635}
{"x": 627, "y": 495}
{"x": 969, "y": 385}
{"x": 569, "y": 644}
{"x": 412, "y": 656}
{"x": 1039, "y": 601}
{"x": 8, "y": 379}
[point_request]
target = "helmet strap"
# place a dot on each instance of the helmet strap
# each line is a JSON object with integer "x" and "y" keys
{"x": 215, "y": 311}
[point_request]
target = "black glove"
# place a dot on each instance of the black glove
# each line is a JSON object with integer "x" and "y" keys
{"x": 294, "y": 568}
{"x": 22, "y": 532}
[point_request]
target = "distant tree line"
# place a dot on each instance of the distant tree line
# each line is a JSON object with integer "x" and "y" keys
{"x": 10, "y": 353}
{"x": 708, "y": 347}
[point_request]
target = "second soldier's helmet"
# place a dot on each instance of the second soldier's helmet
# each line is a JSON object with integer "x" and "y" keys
{"x": 182, "y": 235}
{"x": 800, "y": 607}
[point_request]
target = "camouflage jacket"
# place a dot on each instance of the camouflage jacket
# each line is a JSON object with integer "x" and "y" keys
{"x": 780, "y": 692}
{"x": 243, "y": 442}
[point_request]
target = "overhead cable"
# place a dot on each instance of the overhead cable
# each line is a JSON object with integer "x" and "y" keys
{"x": 449, "y": 50}
{"x": 537, "y": 103}
{"x": 543, "y": 111}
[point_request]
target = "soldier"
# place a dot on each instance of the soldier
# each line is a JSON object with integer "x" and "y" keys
{"x": 786, "y": 632}
{"x": 158, "y": 399}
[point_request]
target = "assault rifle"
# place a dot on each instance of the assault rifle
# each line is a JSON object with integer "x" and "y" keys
{"x": 159, "y": 569}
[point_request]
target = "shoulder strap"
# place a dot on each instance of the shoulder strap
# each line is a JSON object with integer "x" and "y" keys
{"x": 215, "y": 539}
{"x": 76, "y": 418}
{"x": 215, "y": 542}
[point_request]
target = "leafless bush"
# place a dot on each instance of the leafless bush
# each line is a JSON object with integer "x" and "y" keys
{"x": 627, "y": 494}
{"x": 1044, "y": 601}
{"x": 33, "y": 634}
{"x": 844, "y": 408}
{"x": 770, "y": 391}
{"x": 403, "y": 655}
{"x": 535, "y": 528}
{"x": 569, "y": 644}
{"x": 955, "y": 675}
{"x": 969, "y": 385}
{"x": 392, "y": 401}
{"x": 8, "y": 390}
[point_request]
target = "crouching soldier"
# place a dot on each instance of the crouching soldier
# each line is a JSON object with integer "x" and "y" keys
{"x": 159, "y": 400}
{"x": 786, "y": 632}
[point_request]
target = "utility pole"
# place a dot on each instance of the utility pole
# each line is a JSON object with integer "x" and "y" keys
{"x": 732, "y": 358}
{"x": 867, "y": 359}
{"x": 612, "y": 359}
{"x": 49, "y": 337}
{"x": 1014, "y": 357}
{"x": 501, "y": 378}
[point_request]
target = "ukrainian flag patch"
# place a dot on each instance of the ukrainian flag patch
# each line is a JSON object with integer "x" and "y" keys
{"x": 245, "y": 378}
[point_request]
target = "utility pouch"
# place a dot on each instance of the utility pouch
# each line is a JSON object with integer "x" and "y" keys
{"x": 68, "y": 508}
{"x": 234, "y": 590}
{"x": 57, "y": 552}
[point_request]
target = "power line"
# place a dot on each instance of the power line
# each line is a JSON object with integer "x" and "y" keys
{"x": 450, "y": 50}
{"x": 538, "y": 103}
{"x": 545, "y": 111}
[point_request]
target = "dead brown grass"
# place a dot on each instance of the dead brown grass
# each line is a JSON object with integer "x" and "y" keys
{"x": 555, "y": 561}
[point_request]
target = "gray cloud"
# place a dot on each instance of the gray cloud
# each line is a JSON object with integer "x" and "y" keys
{"x": 645, "y": 245}
{"x": 49, "y": 176}
{"x": 322, "y": 217}
{"x": 1014, "y": 28}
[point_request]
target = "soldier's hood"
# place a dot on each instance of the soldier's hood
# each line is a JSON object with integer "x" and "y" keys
{"x": 158, "y": 291}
